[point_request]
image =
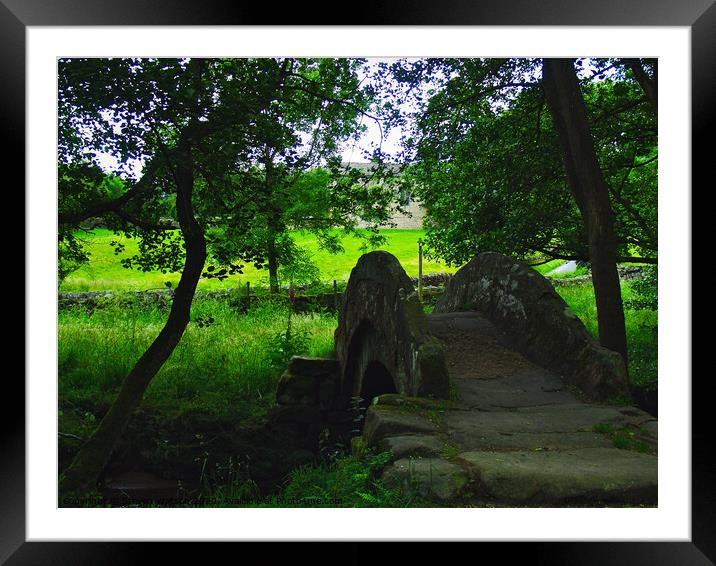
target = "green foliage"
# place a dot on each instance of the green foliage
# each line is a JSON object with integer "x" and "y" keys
{"x": 71, "y": 255}
{"x": 348, "y": 481}
{"x": 84, "y": 182}
{"x": 345, "y": 481}
{"x": 78, "y": 184}
{"x": 286, "y": 344}
{"x": 488, "y": 165}
{"x": 158, "y": 251}
{"x": 296, "y": 264}
{"x": 450, "y": 451}
{"x": 645, "y": 290}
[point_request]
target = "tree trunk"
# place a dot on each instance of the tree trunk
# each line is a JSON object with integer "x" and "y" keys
{"x": 274, "y": 221}
{"x": 648, "y": 85}
{"x": 591, "y": 193}
{"x": 272, "y": 262}
{"x": 92, "y": 457}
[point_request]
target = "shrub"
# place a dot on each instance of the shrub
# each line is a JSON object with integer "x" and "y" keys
{"x": 284, "y": 345}
{"x": 645, "y": 290}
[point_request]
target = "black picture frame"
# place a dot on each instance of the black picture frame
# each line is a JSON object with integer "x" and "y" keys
{"x": 700, "y": 16}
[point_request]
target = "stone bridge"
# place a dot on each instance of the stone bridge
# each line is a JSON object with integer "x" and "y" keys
{"x": 499, "y": 398}
{"x": 382, "y": 340}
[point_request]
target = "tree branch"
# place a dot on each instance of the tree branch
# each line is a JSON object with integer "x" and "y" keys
{"x": 649, "y": 86}
{"x": 620, "y": 108}
{"x": 142, "y": 186}
{"x": 479, "y": 94}
{"x": 140, "y": 222}
{"x": 339, "y": 101}
{"x": 620, "y": 259}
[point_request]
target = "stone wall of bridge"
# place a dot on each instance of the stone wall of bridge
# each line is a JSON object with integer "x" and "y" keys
{"x": 382, "y": 340}
{"x": 536, "y": 321}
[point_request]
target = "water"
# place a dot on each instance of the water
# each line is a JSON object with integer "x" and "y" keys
{"x": 569, "y": 267}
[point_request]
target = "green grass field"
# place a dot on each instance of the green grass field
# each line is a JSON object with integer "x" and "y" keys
{"x": 217, "y": 365}
{"x": 104, "y": 271}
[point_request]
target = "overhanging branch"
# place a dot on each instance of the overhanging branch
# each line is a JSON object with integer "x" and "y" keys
{"x": 142, "y": 186}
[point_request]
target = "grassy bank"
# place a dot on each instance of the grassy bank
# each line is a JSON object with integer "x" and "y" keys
{"x": 641, "y": 328}
{"x": 230, "y": 358}
{"x": 222, "y": 365}
{"x": 201, "y": 406}
{"x": 105, "y": 272}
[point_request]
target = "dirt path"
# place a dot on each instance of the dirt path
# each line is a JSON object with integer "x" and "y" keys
{"x": 514, "y": 435}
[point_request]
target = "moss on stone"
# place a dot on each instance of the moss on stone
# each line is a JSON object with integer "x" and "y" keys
{"x": 410, "y": 404}
{"x": 415, "y": 316}
{"x": 624, "y": 439}
{"x": 358, "y": 446}
{"x": 434, "y": 377}
{"x": 295, "y": 389}
{"x": 450, "y": 451}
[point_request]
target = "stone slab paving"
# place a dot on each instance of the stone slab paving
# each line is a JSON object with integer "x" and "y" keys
{"x": 514, "y": 434}
{"x": 565, "y": 476}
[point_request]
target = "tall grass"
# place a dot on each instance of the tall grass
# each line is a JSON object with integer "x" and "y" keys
{"x": 641, "y": 329}
{"x": 222, "y": 365}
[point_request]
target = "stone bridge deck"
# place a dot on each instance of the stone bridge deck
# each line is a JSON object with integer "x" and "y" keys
{"x": 512, "y": 433}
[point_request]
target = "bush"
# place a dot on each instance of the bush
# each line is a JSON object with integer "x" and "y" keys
{"x": 645, "y": 290}
{"x": 284, "y": 345}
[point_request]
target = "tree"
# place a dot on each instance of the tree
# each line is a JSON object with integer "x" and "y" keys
{"x": 489, "y": 167}
{"x": 319, "y": 104}
{"x": 590, "y": 191}
{"x": 193, "y": 123}
{"x": 82, "y": 128}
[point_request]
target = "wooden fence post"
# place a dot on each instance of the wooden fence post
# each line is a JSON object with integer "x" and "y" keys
{"x": 335, "y": 296}
{"x": 420, "y": 269}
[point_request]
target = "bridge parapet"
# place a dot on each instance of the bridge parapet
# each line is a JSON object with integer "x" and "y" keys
{"x": 382, "y": 340}
{"x": 536, "y": 321}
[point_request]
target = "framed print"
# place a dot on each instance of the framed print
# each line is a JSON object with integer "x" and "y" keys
{"x": 37, "y": 38}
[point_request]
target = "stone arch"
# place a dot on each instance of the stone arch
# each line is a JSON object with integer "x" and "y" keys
{"x": 377, "y": 380}
{"x": 382, "y": 322}
{"x": 368, "y": 371}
